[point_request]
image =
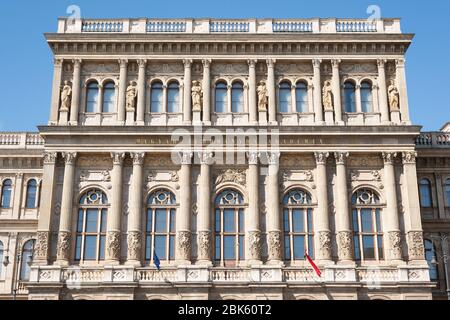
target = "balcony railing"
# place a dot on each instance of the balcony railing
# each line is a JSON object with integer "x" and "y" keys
{"x": 248, "y": 26}
{"x": 433, "y": 140}
{"x": 21, "y": 140}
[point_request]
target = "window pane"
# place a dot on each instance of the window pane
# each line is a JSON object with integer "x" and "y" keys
{"x": 218, "y": 221}
{"x": 349, "y": 97}
{"x": 148, "y": 248}
{"x": 149, "y": 220}
{"x": 299, "y": 247}
{"x": 102, "y": 247}
{"x": 160, "y": 247}
{"x": 229, "y": 220}
{"x": 366, "y": 220}
{"x": 173, "y": 98}
{"x": 156, "y": 98}
{"x": 172, "y": 220}
{"x": 355, "y": 220}
{"x": 287, "y": 248}
{"x": 310, "y": 221}
{"x": 229, "y": 247}
{"x": 109, "y": 98}
{"x": 31, "y": 194}
{"x": 90, "y": 248}
{"x": 241, "y": 247}
{"x": 447, "y": 192}
{"x": 380, "y": 247}
{"x": 104, "y": 220}
{"x": 301, "y": 98}
{"x": 161, "y": 220}
{"x": 378, "y": 219}
{"x": 298, "y": 222}
{"x": 237, "y": 98}
{"x": 217, "y": 248}
{"x": 92, "y": 98}
{"x": 369, "y": 247}
{"x": 78, "y": 248}
{"x": 366, "y": 97}
{"x": 286, "y": 220}
{"x": 285, "y": 98}
{"x": 80, "y": 221}
{"x": 91, "y": 220}
{"x": 241, "y": 221}
{"x": 221, "y": 98}
{"x": 357, "y": 248}
{"x": 425, "y": 194}
{"x": 172, "y": 247}
{"x": 6, "y": 194}
{"x": 311, "y": 246}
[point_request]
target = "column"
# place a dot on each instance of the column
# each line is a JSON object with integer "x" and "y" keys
{"x": 343, "y": 227}
{"x": 403, "y": 89}
{"x": 252, "y": 100}
{"x": 113, "y": 237}
{"x": 18, "y": 194}
{"x": 204, "y": 212}
{"x": 187, "y": 102}
{"x": 440, "y": 185}
{"x": 65, "y": 222}
{"x": 41, "y": 249}
{"x": 123, "y": 63}
{"x": 56, "y": 91}
{"x": 140, "y": 113}
{"x": 76, "y": 88}
{"x": 273, "y": 211}
{"x": 183, "y": 221}
{"x": 383, "y": 101}
{"x": 135, "y": 215}
{"x": 322, "y": 224}
{"x": 317, "y": 82}
{"x": 206, "y": 92}
{"x": 271, "y": 91}
{"x": 391, "y": 222}
{"x": 413, "y": 222}
{"x": 337, "y": 91}
{"x": 252, "y": 221}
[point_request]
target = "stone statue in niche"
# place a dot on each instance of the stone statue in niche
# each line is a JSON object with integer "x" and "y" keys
{"x": 66, "y": 96}
{"x": 197, "y": 95}
{"x": 394, "y": 97}
{"x": 131, "y": 96}
{"x": 327, "y": 96}
{"x": 263, "y": 98}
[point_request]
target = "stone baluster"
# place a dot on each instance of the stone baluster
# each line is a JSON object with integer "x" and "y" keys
{"x": 76, "y": 88}
{"x": 65, "y": 222}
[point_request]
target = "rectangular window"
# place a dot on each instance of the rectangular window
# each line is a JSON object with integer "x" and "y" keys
{"x": 287, "y": 247}
{"x": 229, "y": 221}
{"x": 102, "y": 247}
{"x": 241, "y": 247}
{"x": 91, "y": 220}
{"x": 357, "y": 248}
{"x": 366, "y": 220}
{"x": 161, "y": 221}
{"x": 172, "y": 247}
{"x": 78, "y": 248}
{"x": 157, "y": 100}
{"x": 298, "y": 220}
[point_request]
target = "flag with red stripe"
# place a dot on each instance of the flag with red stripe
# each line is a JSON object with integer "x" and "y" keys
{"x": 311, "y": 262}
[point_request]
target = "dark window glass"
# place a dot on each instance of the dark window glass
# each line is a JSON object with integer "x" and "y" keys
{"x": 350, "y": 97}
{"x": 156, "y": 105}
{"x": 6, "y": 194}
{"x": 31, "y": 194}
{"x": 301, "y": 93}
{"x": 237, "y": 98}
{"x": 366, "y": 97}
{"x": 221, "y": 97}
{"x": 92, "y": 98}
{"x": 285, "y": 98}
{"x": 109, "y": 97}
{"x": 173, "y": 98}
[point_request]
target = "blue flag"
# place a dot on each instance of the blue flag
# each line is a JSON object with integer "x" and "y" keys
{"x": 156, "y": 261}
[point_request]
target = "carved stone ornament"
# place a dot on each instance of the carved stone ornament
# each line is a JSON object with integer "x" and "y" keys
{"x": 232, "y": 175}
{"x": 118, "y": 157}
{"x": 394, "y": 97}
{"x": 321, "y": 157}
{"x": 138, "y": 158}
{"x": 327, "y": 96}
{"x": 204, "y": 244}
{"x": 41, "y": 247}
{"x": 66, "y": 96}
{"x": 69, "y": 157}
{"x": 415, "y": 244}
{"x": 131, "y": 95}
{"x": 113, "y": 245}
{"x": 263, "y": 96}
{"x": 197, "y": 96}
{"x": 341, "y": 157}
{"x": 253, "y": 157}
{"x": 63, "y": 248}
{"x": 174, "y": 177}
{"x": 395, "y": 241}
{"x": 184, "y": 245}
{"x": 134, "y": 245}
{"x": 409, "y": 157}
{"x": 50, "y": 157}
{"x": 389, "y": 157}
{"x": 274, "y": 242}
{"x": 255, "y": 246}
{"x": 345, "y": 245}
{"x": 325, "y": 244}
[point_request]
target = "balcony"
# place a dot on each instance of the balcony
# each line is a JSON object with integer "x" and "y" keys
{"x": 214, "y": 26}
{"x": 21, "y": 140}
{"x": 438, "y": 140}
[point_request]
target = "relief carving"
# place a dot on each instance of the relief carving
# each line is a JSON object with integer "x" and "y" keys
{"x": 325, "y": 244}
{"x": 113, "y": 245}
{"x": 184, "y": 245}
{"x": 204, "y": 242}
{"x": 395, "y": 241}
{"x": 66, "y": 96}
{"x": 41, "y": 247}
{"x": 134, "y": 245}
{"x": 254, "y": 240}
{"x": 232, "y": 175}
{"x": 345, "y": 246}
{"x": 63, "y": 248}
{"x": 416, "y": 248}
{"x": 274, "y": 242}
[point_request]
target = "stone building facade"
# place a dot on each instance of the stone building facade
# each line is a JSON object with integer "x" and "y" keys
{"x": 224, "y": 150}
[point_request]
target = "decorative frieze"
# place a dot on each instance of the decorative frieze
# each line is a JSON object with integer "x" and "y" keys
{"x": 345, "y": 245}
{"x": 134, "y": 240}
{"x": 42, "y": 245}
{"x": 274, "y": 245}
{"x": 255, "y": 245}
{"x": 232, "y": 175}
{"x": 63, "y": 248}
{"x": 204, "y": 245}
{"x": 416, "y": 248}
{"x": 395, "y": 241}
{"x": 113, "y": 245}
{"x": 184, "y": 245}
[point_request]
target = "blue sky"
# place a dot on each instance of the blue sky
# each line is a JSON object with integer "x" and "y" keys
{"x": 26, "y": 64}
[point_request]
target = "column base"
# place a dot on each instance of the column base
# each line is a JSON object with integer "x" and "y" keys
{"x": 252, "y": 263}
{"x": 276, "y": 263}
{"x": 73, "y": 123}
{"x": 204, "y": 263}
{"x": 112, "y": 263}
{"x": 62, "y": 263}
{"x": 329, "y": 117}
{"x": 187, "y": 123}
{"x": 181, "y": 263}
{"x": 133, "y": 263}
{"x": 207, "y": 123}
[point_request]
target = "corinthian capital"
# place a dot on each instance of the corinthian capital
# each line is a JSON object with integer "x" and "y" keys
{"x": 142, "y": 63}
{"x": 316, "y": 63}
{"x": 206, "y": 157}
{"x": 69, "y": 157}
{"x": 118, "y": 157}
{"x": 76, "y": 62}
{"x": 321, "y": 157}
{"x": 271, "y": 62}
{"x": 273, "y": 158}
{"x": 252, "y": 62}
{"x": 335, "y": 63}
{"x": 206, "y": 63}
{"x": 186, "y": 157}
{"x": 389, "y": 157}
{"x": 400, "y": 63}
{"x": 187, "y": 63}
{"x": 138, "y": 157}
{"x": 341, "y": 157}
{"x": 253, "y": 157}
{"x": 381, "y": 63}
{"x": 50, "y": 157}
{"x": 409, "y": 157}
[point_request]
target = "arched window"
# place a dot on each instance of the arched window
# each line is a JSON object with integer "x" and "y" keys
{"x": 156, "y": 98}
{"x": 91, "y": 226}
{"x": 160, "y": 227}
{"x": 301, "y": 96}
{"x": 350, "y": 97}
{"x": 368, "y": 234}
{"x": 92, "y": 97}
{"x": 1, "y": 256}
{"x": 430, "y": 256}
{"x": 229, "y": 227}
{"x": 447, "y": 192}
{"x": 425, "y": 193}
{"x": 109, "y": 97}
{"x": 298, "y": 225}
{"x": 221, "y": 97}
{"x": 6, "y": 194}
{"x": 26, "y": 260}
{"x": 237, "y": 98}
{"x": 366, "y": 97}
{"x": 31, "y": 194}
{"x": 173, "y": 98}
{"x": 285, "y": 97}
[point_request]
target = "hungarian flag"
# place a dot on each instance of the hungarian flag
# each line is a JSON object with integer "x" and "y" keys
{"x": 311, "y": 262}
